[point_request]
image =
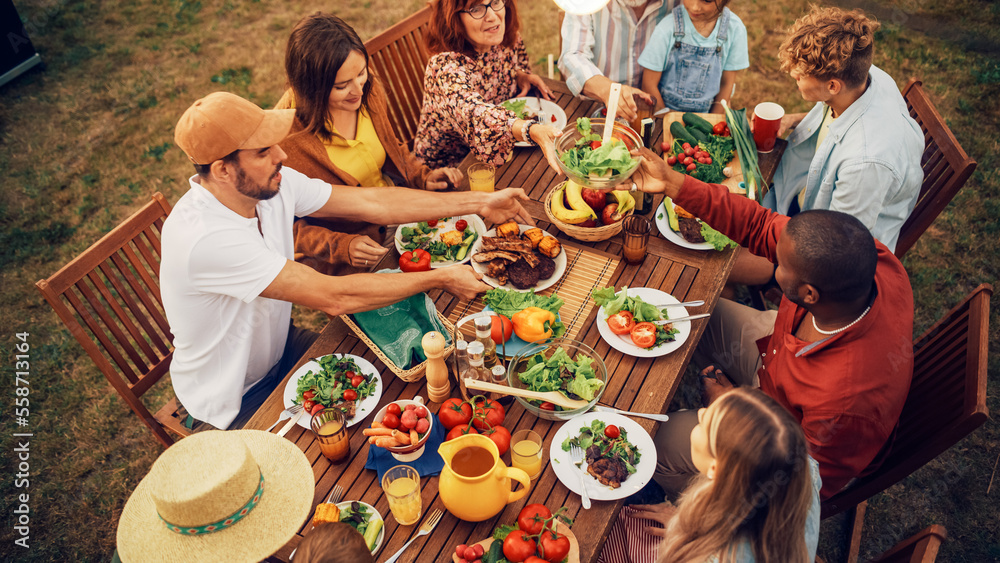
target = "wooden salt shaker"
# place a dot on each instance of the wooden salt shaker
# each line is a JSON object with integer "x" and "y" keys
{"x": 438, "y": 384}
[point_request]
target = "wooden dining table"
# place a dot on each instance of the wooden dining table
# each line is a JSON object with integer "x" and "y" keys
{"x": 636, "y": 384}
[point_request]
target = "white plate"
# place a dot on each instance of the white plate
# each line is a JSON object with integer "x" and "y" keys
{"x": 569, "y": 473}
{"x": 364, "y": 407}
{"x": 623, "y": 343}
{"x": 381, "y": 533}
{"x": 542, "y": 284}
{"x": 443, "y": 227}
{"x": 546, "y": 111}
{"x": 663, "y": 224}
{"x": 514, "y": 344}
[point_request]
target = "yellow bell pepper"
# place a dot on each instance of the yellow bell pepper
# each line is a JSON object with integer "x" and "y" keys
{"x": 533, "y": 324}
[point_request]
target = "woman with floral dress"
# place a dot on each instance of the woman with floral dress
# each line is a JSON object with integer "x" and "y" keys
{"x": 479, "y": 62}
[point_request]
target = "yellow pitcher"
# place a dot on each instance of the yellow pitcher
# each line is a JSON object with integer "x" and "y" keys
{"x": 475, "y": 483}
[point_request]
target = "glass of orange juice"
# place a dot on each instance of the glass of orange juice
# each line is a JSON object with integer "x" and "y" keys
{"x": 526, "y": 452}
{"x": 330, "y": 428}
{"x": 402, "y": 489}
{"x": 481, "y": 177}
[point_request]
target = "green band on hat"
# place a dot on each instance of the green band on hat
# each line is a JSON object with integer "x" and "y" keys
{"x": 224, "y": 523}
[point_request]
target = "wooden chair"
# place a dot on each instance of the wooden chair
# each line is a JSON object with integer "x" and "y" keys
{"x": 947, "y": 401}
{"x": 946, "y": 166}
{"x": 399, "y": 56}
{"x": 921, "y": 548}
{"x": 109, "y": 299}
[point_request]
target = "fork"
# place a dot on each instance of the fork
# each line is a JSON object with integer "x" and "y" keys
{"x": 285, "y": 414}
{"x": 576, "y": 454}
{"x": 425, "y": 529}
{"x": 335, "y": 495}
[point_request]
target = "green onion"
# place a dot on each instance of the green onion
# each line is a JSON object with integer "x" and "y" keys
{"x": 739, "y": 127}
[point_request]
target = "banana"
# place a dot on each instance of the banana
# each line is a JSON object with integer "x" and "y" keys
{"x": 574, "y": 195}
{"x": 570, "y": 216}
{"x": 625, "y": 201}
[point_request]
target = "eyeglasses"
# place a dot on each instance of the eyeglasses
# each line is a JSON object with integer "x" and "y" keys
{"x": 478, "y": 11}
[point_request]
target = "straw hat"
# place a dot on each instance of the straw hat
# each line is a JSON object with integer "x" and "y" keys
{"x": 237, "y": 495}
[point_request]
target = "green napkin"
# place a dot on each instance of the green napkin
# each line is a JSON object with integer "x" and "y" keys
{"x": 398, "y": 328}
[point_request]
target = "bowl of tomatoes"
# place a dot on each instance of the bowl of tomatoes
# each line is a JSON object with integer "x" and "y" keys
{"x": 542, "y": 366}
{"x": 397, "y": 423}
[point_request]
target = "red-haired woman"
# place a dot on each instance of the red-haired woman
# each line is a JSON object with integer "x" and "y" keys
{"x": 479, "y": 62}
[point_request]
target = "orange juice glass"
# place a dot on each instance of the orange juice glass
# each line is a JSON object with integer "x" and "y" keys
{"x": 330, "y": 429}
{"x": 526, "y": 452}
{"x": 481, "y": 177}
{"x": 401, "y": 485}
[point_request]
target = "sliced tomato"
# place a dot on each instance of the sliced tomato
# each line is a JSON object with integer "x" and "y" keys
{"x": 308, "y": 405}
{"x": 553, "y": 118}
{"x": 309, "y": 394}
{"x": 461, "y": 225}
{"x": 546, "y": 406}
{"x": 644, "y": 335}
{"x": 594, "y": 145}
{"x": 621, "y": 322}
{"x": 316, "y": 408}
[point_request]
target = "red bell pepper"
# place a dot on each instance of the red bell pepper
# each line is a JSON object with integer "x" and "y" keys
{"x": 418, "y": 260}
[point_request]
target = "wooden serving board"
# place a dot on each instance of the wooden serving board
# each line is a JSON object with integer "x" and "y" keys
{"x": 561, "y": 527}
{"x": 733, "y": 182}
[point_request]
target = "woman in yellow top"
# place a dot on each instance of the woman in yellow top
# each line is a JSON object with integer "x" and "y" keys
{"x": 342, "y": 135}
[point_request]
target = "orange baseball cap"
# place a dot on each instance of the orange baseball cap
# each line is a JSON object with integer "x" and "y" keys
{"x": 221, "y": 123}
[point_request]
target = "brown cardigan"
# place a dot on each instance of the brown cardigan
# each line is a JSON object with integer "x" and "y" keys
{"x": 323, "y": 244}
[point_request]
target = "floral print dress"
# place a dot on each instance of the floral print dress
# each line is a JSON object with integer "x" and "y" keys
{"x": 461, "y": 108}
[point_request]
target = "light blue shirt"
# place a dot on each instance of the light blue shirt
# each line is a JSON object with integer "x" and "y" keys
{"x": 735, "y": 55}
{"x": 868, "y": 166}
{"x": 607, "y": 43}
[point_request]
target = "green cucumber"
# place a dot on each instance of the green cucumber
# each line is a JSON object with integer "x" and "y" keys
{"x": 698, "y": 122}
{"x": 681, "y": 134}
{"x": 697, "y": 134}
{"x": 371, "y": 534}
{"x": 495, "y": 554}
{"x": 466, "y": 245}
{"x": 675, "y": 224}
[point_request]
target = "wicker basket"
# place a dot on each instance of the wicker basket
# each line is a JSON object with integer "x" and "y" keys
{"x": 416, "y": 373}
{"x": 586, "y": 234}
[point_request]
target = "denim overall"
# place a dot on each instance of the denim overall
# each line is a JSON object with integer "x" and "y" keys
{"x": 691, "y": 80}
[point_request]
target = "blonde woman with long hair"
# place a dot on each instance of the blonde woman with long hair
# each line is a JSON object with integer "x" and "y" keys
{"x": 757, "y": 496}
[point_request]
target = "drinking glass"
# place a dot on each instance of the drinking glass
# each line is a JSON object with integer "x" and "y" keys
{"x": 635, "y": 235}
{"x": 330, "y": 428}
{"x": 401, "y": 485}
{"x": 526, "y": 452}
{"x": 481, "y": 177}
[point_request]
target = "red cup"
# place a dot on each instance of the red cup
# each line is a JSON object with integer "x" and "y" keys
{"x": 766, "y": 122}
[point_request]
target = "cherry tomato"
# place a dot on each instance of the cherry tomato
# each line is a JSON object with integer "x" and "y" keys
{"x": 390, "y": 421}
{"x": 718, "y": 128}
{"x": 454, "y": 413}
{"x": 604, "y": 112}
{"x": 479, "y": 550}
{"x": 671, "y": 160}
{"x": 357, "y": 380}
{"x": 470, "y": 553}
{"x": 546, "y": 406}
{"x": 621, "y": 322}
{"x": 594, "y": 145}
{"x": 644, "y": 335}
{"x": 554, "y": 547}
{"x": 461, "y": 225}
{"x": 531, "y": 517}
{"x": 518, "y": 546}
{"x": 432, "y": 223}
{"x": 501, "y": 330}
{"x": 702, "y": 160}
{"x": 351, "y": 395}
{"x": 708, "y": 160}
{"x": 689, "y": 151}
{"x": 349, "y": 375}
{"x": 687, "y": 160}
{"x": 665, "y": 146}
{"x": 308, "y": 405}
{"x": 691, "y": 166}
{"x": 535, "y": 559}
{"x": 393, "y": 408}
{"x": 459, "y": 431}
{"x": 460, "y": 550}
{"x": 309, "y": 394}
{"x": 487, "y": 414}
{"x": 500, "y": 437}
{"x": 686, "y": 146}
{"x": 612, "y": 431}
{"x": 316, "y": 408}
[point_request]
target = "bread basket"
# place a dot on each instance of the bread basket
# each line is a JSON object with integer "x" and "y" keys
{"x": 586, "y": 234}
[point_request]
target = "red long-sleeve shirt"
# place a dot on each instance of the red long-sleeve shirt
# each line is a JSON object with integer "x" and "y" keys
{"x": 847, "y": 390}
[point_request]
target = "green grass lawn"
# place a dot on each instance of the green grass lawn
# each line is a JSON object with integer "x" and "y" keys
{"x": 86, "y": 140}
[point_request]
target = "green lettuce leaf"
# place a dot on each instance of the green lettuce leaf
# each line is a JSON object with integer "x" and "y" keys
{"x": 584, "y": 387}
{"x": 715, "y": 238}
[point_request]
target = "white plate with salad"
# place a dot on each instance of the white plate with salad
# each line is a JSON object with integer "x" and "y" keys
{"x": 366, "y": 517}
{"x": 442, "y": 239}
{"x": 545, "y": 111}
{"x": 332, "y": 378}
{"x": 643, "y": 303}
{"x": 635, "y": 437}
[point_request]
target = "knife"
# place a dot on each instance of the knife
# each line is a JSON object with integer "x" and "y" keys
{"x": 295, "y": 419}
{"x": 679, "y": 319}
{"x": 602, "y": 408}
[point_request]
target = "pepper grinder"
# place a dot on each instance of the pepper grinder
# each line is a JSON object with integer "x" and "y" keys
{"x": 438, "y": 384}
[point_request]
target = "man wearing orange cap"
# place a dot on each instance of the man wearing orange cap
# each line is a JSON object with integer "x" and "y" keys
{"x": 227, "y": 273}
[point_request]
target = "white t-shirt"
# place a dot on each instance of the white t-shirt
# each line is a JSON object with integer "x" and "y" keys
{"x": 215, "y": 264}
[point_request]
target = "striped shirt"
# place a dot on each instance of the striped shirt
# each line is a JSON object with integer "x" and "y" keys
{"x": 607, "y": 42}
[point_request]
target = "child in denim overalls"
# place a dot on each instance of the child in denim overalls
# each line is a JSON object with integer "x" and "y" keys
{"x": 691, "y": 60}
